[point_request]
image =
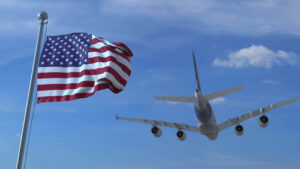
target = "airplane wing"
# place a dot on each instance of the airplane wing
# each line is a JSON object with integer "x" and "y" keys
{"x": 163, "y": 123}
{"x": 184, "y": 99}
{"x": 254, "y": 113}
{"x": 222, "y": 93}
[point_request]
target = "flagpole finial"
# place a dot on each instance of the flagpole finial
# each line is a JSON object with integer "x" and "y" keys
{"x": 43, "y": 15}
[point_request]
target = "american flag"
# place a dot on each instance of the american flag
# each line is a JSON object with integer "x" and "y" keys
{"x": 77, "y": 65}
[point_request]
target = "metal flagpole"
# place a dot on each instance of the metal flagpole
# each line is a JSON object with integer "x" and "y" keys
{"x": 43, "y": 17}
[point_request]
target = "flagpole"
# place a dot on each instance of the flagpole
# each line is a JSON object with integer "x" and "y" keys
{"x": 43, "y": 17}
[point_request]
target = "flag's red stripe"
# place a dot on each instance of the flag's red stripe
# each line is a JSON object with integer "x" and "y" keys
{"x": 96, "y": 40}
{"x": 124, "y": 46}
{"x": 72, "y": 85}
{"x": 65, "y": 86}
{"x": 112, "y": 59}
{"x": 82, "y": 73}
{"x": 106, "y": 48}
{"x": 77, "y": 95}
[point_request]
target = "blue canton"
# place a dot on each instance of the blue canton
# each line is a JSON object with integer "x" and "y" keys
{"x": 69, "y": 50}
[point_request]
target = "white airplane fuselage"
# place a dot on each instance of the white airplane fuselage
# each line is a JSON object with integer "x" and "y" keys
{"x": 206, "y": 117}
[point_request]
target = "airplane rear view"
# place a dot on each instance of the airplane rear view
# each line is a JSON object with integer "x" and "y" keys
{"x": 205, "y": 115}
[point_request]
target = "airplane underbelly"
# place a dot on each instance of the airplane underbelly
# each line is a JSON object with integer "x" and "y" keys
{"x": 210, "y": 128}
{"x": 205, "y": 115}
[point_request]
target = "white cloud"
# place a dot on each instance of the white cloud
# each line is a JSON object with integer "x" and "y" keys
{"x": 239, "y": 17}
{"x": 257, "y": 56}
{"x": 218, "y": 100}
{"x": 131, "y": 17}
{"x": 21, "y": 16}
{"x": 268, "y": 81}
{"x": 174, "y": 103}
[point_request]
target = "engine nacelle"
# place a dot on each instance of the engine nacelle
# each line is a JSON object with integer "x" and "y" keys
{"x": 239, "y": 130}
{"x": 263, "y": 121}
{"x": 181, "y": 135}
{"x": 156, "y": 131}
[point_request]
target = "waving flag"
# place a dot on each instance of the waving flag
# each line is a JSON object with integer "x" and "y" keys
{"x": 77, "y": 65}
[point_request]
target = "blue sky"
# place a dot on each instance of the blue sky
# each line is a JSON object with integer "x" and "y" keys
{"x": 255, "y": 43}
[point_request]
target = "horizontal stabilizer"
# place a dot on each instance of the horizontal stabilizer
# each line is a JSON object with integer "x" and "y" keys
{"x": 222, "y": 93}
{"x": 183, "y": 99}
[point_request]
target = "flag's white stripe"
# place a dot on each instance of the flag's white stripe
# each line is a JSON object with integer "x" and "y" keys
{"x": 66, "y": 92}
{"x": 81, "y": 79}
{"x": 90, "y": 66}
{"x": 98, "y": 45}
{"x": 48, "y": 93}
{"x": 95, "y": 54}
{"x": 106, "y": 42}
{"x": 109, "y": 53}
{"x": 84, "y": 67}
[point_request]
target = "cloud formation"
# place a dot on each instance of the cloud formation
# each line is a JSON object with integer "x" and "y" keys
{"x": 257, "y": 56}
{"x": 268, "y": 81}
{"x": 218, "y": 100}
{"x": 255, "y": 17}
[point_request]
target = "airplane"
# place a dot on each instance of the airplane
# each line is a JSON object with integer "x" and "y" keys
{"x": 205, "y": 115}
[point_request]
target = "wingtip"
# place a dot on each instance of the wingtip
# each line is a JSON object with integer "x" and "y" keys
{"x": 297, "y": 98}
{"x": 158, "y": 97}
{"x": 117, "y": 117}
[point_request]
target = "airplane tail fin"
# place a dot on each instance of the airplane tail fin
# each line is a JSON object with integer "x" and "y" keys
{"x": 191, "y": 99}
{"x": 197, "y": 76}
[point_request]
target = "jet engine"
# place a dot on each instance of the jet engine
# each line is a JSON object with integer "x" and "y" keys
{"x": 263, "y": 121}
{"x": 239, "y": 130}
{"x": 156, "y": 131}
{"x": 181, "y": 135}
